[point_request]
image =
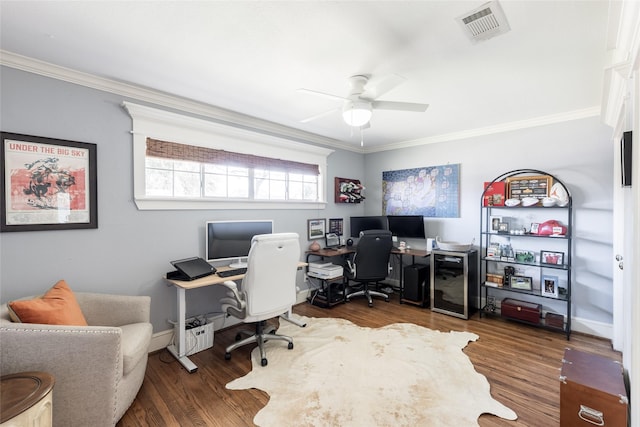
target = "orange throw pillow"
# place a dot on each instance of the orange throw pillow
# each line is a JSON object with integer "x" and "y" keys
{"x": 57, "y": 307}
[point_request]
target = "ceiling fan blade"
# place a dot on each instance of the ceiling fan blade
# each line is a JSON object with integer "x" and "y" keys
{"x": 322, "y": 94}
{"x": 375, "y": 90}
{"x": 399, "y": 106}
{"x": 318, "y": 116}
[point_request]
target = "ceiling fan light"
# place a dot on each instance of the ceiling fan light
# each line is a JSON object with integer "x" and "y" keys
{"x": 357, "y": 114}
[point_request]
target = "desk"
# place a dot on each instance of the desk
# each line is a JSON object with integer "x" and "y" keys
{"x": 326, "y": 300}
{"x": 178, "y": 350}
{"x": 328, "y": 253}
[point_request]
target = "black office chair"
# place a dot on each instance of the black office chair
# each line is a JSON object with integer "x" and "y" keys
{"x": 370, "y": 263}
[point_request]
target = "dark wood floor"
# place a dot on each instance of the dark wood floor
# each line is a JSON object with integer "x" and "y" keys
{"x": 522, "y": 365}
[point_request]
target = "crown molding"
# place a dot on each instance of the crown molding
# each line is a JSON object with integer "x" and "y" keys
{"x": 221, "y": 115}
{"x": 243, "y": 121}
{"x": 490, "y": 130}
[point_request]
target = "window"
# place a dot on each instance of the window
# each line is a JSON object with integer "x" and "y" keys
{"x": 187, "y": 163}
{"x": 180, "y": 170}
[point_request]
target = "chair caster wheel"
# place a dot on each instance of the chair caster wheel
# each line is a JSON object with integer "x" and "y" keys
{"x": 370, "y": 305}
{"x": 227, "y": 356}
{"x": 264, "y": 362}
{"x": 290, "y": 346}
{"x": 386, "y": 300}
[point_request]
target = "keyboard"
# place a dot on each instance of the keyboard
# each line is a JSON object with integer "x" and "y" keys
{"x": 229, "y": 273}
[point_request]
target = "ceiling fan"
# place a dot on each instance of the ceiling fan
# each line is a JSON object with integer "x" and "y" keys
{"x": 362, "y": 99}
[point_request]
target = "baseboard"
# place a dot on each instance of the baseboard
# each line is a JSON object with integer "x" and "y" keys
{"x": 591, "y": 327}
{"x": 302, "y": 295}
{"x": 162, "y": 339}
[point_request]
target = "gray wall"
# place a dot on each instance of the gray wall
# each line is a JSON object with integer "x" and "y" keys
{"x": 131, "y": 249}
{"x": 579, "y": 152}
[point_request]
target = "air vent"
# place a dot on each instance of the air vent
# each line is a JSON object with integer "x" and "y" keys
{"x": 484, "y": 22}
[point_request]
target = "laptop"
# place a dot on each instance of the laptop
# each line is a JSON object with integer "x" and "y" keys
{"x": 332, "y": 241}
{"x": 192, "y": 268}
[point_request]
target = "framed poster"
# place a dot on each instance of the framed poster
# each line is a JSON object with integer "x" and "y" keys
{"x": 316, "y": 228}
{"x": 348, "y": 190}
{"x": 47, "y": 184}
{"x": 430, "y": 191}
{"x": 528, "y": 186}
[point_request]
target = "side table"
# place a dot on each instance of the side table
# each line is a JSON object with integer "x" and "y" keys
{"x": 26, "y": 399}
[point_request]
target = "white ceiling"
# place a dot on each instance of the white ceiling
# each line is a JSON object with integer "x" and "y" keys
{"x": 251, "y": 56}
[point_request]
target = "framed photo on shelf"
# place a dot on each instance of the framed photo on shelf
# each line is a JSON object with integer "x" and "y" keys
{"x": 495, "y": 223}
{"x": 525, "y": 256}
{"x": 316, "y": 228}
{"x": 47, "y": 184}
{"x": 503, "y": 227}
{"x": 551, "y": 258}
{"x": 521, "y": 282}
{"x": 549, "y": 286}
{"x": 535, "y": 227}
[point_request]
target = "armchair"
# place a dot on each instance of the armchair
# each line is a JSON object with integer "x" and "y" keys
{"x": 98, "y": 370}
{"x": 370, "y": 263}
{"x": 267, "y": 290}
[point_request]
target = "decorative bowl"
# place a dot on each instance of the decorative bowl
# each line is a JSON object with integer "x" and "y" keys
{"x": 512, "y": 202}
{"x": 530, "y": 201}
{"x": 454, "y": 246}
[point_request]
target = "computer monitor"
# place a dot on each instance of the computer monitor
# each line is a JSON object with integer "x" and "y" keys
{"x": 231, "y": 240}
{"x": 362, "y": 223}
{"x": 406, "y": 226}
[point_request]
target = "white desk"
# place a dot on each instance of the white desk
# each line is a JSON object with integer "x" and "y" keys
{"x": 179, "y": 350}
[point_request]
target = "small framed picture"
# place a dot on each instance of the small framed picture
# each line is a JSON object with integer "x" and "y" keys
{"x": 551, "y": 258}
{"x": 525, "y": 256}
{"x": 521, "y": 282}
{"x": 316, "y": 228}
{"x": 549, "y": 286}
{"x": 503, "y": 227}
{"x": 534, "y": 228}
{"x": 495, "y": 223}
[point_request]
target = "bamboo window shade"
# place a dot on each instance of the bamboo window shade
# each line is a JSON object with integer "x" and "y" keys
{"x": 176, "y": 151}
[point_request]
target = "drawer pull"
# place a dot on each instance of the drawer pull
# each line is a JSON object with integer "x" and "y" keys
{"x": 591, "y": 415}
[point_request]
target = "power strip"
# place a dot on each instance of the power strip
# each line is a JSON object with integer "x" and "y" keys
{"x": 198, "y": 339}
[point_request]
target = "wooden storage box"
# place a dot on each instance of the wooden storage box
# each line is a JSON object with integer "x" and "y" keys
{"x": 554, "y": 320}
{"x": 592, "y": 391}
{"x": 521, "y": 310}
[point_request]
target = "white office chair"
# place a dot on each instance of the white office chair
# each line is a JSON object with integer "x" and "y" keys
{"x": 267, "y": 290}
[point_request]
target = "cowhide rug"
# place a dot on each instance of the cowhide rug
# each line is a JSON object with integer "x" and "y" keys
{"x": 340, "y": 374}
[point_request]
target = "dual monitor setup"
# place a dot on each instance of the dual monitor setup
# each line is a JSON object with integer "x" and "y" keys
{"x": 403, "y": 226}
{"x": 229, "y": 241}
